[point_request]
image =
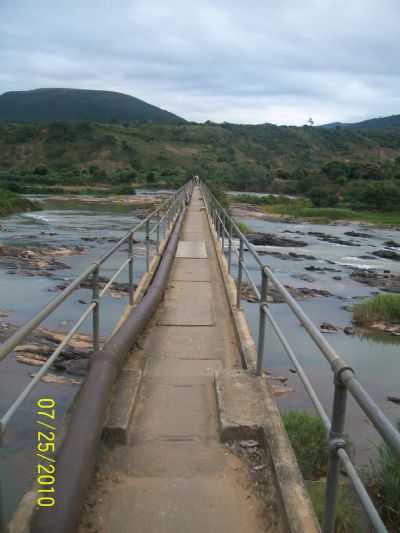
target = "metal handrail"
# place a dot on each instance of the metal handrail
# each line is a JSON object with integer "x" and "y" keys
{"x": 170, "y": 209}
{"x": 345, "y": 379}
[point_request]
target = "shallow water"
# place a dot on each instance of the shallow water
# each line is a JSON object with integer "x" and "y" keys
{"x": 22, "y": 296}
{"x": 376, "y": 359}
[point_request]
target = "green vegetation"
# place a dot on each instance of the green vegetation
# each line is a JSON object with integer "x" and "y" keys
{"x": 383, "y": 122}
{"x": 244, "y": 228}
{"x": 266, "y": 158}
{"x": 347, "y": 520}
{"x": 47, "y": 105}
{"x": 302, "y": 208}
{"x": 352, "y": 174}
{"x": 384, "y": 484}
{"x": 13, "y": 203}
{"x": 380, "y": 308}
{"x": 308, "y": 437}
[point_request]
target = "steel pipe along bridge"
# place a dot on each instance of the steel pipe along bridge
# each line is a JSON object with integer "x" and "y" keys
{"x": 156, "y": 439}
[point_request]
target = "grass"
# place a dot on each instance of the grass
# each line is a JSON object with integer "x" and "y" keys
{"x": 13, "y": 203}
{"x": 328, "y": 214}
{"x": 346, "y": 517}
{"x": 308, "y": 438}
{"x": 302, "y": 208}
{"x": 244, "y": 228}
{"x": 309, "y": 441}
{"x": 380, "y": 308}
{"x": 384, "y": 484}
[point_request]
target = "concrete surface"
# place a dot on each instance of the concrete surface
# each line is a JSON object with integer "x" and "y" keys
{"x": 122, "y": 406}
{"x": 241, "y": 404}
{"x": 188, "y": 304}
{"x": 173, "y": 474}
{"x": 191, "y": 250}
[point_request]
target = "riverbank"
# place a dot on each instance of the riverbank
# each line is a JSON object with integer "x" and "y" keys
{"x": 11, "y": 203}
{"x": 136, "y": 201}
{"x": 298, "y": 211}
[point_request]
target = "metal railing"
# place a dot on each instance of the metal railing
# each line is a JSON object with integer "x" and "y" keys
{"x": 233, "y": 241}
{"x": 159, "y": 222}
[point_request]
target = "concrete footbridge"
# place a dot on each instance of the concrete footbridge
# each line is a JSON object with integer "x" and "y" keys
{"x": 175, "y": 401}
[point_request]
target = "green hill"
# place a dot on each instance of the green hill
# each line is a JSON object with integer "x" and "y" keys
{"x": 374, "y": 123}
{"x": 264, "y": 158}
{"x": 48, "y": 105}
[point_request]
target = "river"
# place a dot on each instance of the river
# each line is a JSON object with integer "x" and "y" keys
{"x": 375, "y": 358}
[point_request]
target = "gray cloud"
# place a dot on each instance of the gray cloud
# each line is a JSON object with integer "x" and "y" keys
{"x": 221, "y": 60}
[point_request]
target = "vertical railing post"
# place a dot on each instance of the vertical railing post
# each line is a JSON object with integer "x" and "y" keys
{"x": 167, "y": 220}
{"x": 230, "y": 247}
{"x": 336, "y": 441}
{"x": 130, "y": 252}
{"x": 147, "y": 245}
{"x": 214, "y": 215}
{"x": 261, "y": 322}
{"x": 158, "y": 222}
{"x": 96, "y": 310}
{"x": 223, "y": 222}
{"x": 3, "y": 528}
{"x": 240, "y": 273}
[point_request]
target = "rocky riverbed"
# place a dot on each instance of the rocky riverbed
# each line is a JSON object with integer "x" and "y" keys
{"x": 327, "y": 269}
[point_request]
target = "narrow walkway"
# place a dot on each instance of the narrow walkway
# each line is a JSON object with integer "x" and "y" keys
{"x": 173, "y": 475}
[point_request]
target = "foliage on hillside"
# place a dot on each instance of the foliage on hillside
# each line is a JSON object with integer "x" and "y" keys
{"x": 391, "y": 122}
{"x": 339, "y": 166}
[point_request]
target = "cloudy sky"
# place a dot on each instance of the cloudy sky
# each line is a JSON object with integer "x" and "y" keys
{"x": 252, "y": 61}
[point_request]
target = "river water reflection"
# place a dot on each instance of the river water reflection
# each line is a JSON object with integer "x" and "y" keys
{"x": 376, "y": 359}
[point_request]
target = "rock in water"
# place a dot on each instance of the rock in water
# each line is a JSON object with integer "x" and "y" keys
{"x": 268, "y": 239}
{"x": 326, "y": 327}
{"x": 387, "y": 254}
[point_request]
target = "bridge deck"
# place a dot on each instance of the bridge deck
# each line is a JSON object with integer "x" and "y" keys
{"x": 174, "y": 475}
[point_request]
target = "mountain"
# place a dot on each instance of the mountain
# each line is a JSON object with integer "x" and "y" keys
{"x": 374, "y": 123}
{"x": 50, "y": 105}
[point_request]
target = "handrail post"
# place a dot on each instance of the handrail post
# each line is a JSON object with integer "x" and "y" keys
{"x": 223, "y": 233}
{"x": 130, "y": 251}
{"x": 336, "y": 441}
{"x": 96, "y": 310}
{"x": 147, "y": 245}
{"x": 167, "y": 221}
{"x": 213, "y": 214}
{"x": 262, "y": 322}
{"x": 240, "y": 274}
{"x": 230, "y": 247}
{"x": 158, "y": 230}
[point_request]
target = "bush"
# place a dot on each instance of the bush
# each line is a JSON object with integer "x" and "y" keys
{"x": 384, "y": 484}
{"x": 346, "y": 519}
{"x": 383, "y": 195}
{"x": 219, "y": 193}
{"x": 40, "y": 170}
{"x": 324, "y": 196}
{"x": 123, "y": 189}
{"x": 308, "y": 437}
{"x": 382, "y": 307}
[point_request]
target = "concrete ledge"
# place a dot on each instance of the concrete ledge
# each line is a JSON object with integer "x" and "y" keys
{"x": 268, "y": 428}
{"x": 240, "y": 403}
{"x": 246, "y": 410}
{"x": 242, "y": 331}
{"x": 122, "y": 406}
